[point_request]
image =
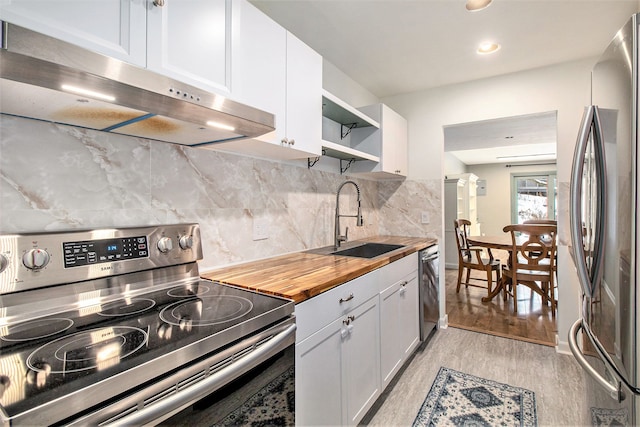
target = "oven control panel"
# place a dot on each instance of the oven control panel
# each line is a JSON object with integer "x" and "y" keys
{"x": 29, "y": 261}
{"x": 86, "y": 252}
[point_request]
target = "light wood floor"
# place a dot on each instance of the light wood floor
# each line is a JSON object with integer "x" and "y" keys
{"x": 533, "y": 323}
{"x": 557, "y": 380}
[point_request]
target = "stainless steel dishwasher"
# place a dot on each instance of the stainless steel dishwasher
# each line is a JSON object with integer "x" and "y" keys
{"x": 429, "y": 291}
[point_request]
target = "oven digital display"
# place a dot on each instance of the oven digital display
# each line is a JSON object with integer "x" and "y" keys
{"x": 77, "y": 254}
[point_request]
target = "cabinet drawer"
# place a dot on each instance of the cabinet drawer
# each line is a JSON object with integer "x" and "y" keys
{"x": 317, "y": 312}
{"x": 397, "y": 270}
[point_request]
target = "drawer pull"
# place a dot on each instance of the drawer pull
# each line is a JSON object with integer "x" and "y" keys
{"x": 349, "y": 298}
{"x": 348, "y": 320}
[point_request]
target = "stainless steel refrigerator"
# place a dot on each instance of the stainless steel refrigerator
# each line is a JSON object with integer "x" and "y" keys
{"x": 604, "y": 234}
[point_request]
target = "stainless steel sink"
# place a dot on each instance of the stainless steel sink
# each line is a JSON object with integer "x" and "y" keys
{"x": 368, "y": 250}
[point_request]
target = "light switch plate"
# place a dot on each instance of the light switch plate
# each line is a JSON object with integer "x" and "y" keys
{"x": 424, "y": 217}
{"x": 260, "y": 229}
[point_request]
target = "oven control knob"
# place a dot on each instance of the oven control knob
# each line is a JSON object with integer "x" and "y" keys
{"x": 186, "y": 242}
{"x": 35, "y": 259}
{"x": 4, "y": 262}
{"x": 165, "y": 244}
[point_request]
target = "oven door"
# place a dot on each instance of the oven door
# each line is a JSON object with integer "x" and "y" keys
{"x": 223, "y": 389}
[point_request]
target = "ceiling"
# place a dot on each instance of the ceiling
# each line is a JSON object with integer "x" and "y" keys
{"x": 399, "y": 46}
{"x": 525, "y": 138}
{"x": 392, "y": 47}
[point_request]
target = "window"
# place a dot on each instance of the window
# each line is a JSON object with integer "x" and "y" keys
{"x": 533, "y": 196}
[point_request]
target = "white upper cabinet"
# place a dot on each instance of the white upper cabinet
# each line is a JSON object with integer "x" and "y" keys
{"x": 116, "y": 28}
{"x": 274, "y": 71}
{"x": 304, "y": 96}
{"x": 190, "y": 41}
{"x": 391, "y": 140}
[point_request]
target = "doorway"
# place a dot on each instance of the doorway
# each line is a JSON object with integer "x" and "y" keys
{"x": 514, "y": 160}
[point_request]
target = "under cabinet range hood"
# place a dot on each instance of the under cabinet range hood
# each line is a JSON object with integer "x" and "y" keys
{"x": 48, "y": 79}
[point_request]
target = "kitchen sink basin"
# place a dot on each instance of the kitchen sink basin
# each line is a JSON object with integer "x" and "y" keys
{"x": 368, "y": 250}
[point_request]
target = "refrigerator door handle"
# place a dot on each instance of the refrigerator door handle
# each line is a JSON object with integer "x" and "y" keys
{"x": 601, "y": 182}
{"x": 614, "y": 390}
{"x": 575, "y": 194}
{"x": 590, "y": 119}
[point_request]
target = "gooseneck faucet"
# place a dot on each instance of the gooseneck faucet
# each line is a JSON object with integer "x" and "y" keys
{"x": 359, "y": 221}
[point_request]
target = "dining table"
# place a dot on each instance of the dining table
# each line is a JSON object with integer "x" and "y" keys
{"x": 500, "y": 242}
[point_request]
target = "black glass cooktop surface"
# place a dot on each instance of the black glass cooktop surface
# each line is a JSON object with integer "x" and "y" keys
{"x": 45, "y": 358}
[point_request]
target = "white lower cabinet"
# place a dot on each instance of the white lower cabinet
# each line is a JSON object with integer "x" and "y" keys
{"x": 399, "y": 333}
{"x": 352, "y": 340}
{"x": 338, "y": 369}
{"x": 361, "y": 359}
{"x": 319, "y": 377}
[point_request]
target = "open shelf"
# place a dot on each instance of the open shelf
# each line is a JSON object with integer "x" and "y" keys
{"x": 345, "y": 130}
{"x": 340, "y": 112}
{"x": 338, "y": 151}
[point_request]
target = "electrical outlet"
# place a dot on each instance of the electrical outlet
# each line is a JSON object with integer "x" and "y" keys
{"x": 424, "y": 217}
{"x": 260, "y": 229}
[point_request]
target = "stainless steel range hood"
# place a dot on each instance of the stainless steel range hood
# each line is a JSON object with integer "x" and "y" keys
{"x": 48, "y": 79}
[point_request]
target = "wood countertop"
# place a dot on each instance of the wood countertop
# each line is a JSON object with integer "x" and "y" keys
{"x": 302, "y": 275}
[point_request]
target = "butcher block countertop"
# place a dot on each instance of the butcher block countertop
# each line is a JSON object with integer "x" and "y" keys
{"x": 302, "y": 275}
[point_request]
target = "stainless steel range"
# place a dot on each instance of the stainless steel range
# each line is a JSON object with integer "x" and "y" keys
{"x": 115, "y": 326}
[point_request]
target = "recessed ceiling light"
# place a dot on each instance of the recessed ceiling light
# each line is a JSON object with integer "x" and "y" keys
{"x": 476, "y": 5}
{"x": 488, "y": 47}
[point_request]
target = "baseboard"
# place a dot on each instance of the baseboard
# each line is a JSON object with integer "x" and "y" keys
{"x": 562, "y": 347}
{"x": 443, "y": 322}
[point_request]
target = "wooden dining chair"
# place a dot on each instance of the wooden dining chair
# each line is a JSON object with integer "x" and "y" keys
{"x": 531, "y": 262}
{"x": 470, "y": 258}
{"x": 547, "y": 222}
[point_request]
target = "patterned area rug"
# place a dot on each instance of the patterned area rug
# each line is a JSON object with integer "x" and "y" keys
{"x": 458, "y": 399}
{"x": 259, "y": 409}
{"x": 609, "y": 417}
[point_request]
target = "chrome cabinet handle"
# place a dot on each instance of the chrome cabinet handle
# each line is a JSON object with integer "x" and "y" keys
{"x": 287, "y": 141}
{"x": 158, "y": 3}
{"x": 403, "y": 287}
{"x": 349, "y": 298}
{"x": 348, "y": 320}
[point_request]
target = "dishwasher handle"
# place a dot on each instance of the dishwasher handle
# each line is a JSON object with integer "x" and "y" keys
{"x": 430, "y": 254}
{"x": 205, "y": 387}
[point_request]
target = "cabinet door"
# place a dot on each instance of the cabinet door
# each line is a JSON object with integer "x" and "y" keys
{"x": 399, "y": 327}
{"x": 115, "y": 28}
{"x": 259, "y": 72}
{"x": 190, "y": 40}
{"x": 394, "y": 142}
{"x": 391, "y": 350}
{"x": 304, "y": 97}
{"x": 319, "y": 377}
{"x": 409, "y": 331}
{"x": 361, "y": 350}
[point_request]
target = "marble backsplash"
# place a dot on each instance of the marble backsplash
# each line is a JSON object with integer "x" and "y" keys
{"x": 56, "y": 177}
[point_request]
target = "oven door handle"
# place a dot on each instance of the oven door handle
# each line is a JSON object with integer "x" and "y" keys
{"x": 197, "y": 391}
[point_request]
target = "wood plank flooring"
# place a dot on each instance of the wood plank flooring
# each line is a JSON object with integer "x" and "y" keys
{"x": 465, "y": 310}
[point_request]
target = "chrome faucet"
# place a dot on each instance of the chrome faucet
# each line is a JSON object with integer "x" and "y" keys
{"x": 359, "y": 221}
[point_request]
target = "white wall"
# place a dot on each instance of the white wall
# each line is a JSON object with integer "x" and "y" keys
{"x": 344, "y": 87}
{"x": 453, "y": 166}
{"x": 494, "y": 208}
{"x": 563, "y": 88}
